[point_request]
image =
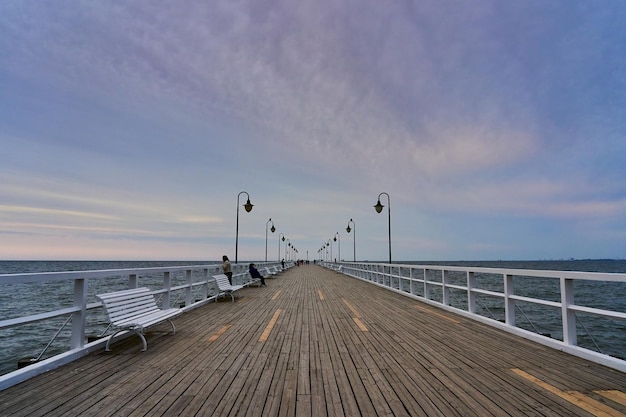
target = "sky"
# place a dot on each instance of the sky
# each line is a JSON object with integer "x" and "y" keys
{"x": 133, "y": 130}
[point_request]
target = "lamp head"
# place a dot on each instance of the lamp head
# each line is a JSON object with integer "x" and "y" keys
{"x": 248, "y": 206}
{"x": 348, "y": 229}
{"x": 273, "y": 229}
{"x": 378, "y": 207}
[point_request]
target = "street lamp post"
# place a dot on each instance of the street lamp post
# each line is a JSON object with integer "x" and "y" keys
{"x": 338, "y": 245}
{"x": 330, "y": 242}
{"x": 353, "y": 237}
{"x": 279, "y": 236}
{"x": 273, "y": 229}
{"x": 248, "y": 207}
{"x": 379, "y": 207}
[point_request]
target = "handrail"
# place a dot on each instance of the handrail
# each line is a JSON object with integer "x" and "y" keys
{"x": 37, "y": 317}
{"x": 189, "y": 285}
{"x": 457, "y": 289}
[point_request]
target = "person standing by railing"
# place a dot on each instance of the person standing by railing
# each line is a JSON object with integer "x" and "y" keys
{"x": 227, "y": 269}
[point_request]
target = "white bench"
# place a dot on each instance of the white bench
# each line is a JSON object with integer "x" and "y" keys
{"x": 134, "y": 310}
{"x": 269, "y": 273}
{"x": 224, "y": 286}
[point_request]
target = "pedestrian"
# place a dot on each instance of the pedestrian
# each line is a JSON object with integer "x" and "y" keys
{"x": 283, "y": 263}
{"x": 254, "y": 273}
{"x": 227, "y": 270}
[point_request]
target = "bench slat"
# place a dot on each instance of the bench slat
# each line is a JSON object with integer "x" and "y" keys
{"x": 143, "y": 298}
{"x": 135, "y": 292}
{"x": 113, "y": 309}
{"x": 123, "y": 316}
{"x": 149, "y": 319}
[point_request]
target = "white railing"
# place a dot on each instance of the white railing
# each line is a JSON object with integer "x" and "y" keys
{"x": 566, "y": 310}
{"x": 37, "y": 307}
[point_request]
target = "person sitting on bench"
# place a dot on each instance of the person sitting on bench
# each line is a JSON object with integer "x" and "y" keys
{"x": 254, "y": 273}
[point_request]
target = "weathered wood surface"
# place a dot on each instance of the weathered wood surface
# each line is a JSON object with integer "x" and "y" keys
{"x": 318, "y": 343}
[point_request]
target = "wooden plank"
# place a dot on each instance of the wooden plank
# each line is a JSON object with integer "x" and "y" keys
{"x": 614, "y": 395}
{"x": 579, "y": 400}
{"x": 348, "y": 379}
{"x": 329, "y": 386}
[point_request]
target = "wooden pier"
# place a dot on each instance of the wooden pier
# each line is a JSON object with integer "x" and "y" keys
{"x": 315, "y": 342}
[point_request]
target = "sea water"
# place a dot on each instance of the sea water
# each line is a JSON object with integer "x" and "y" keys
{"x": 608, "y": 336}
{"x": 24, "y": 342}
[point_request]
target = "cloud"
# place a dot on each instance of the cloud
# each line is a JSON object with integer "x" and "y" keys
{"x": 53, "y": 212}
{"x": 554, "y": 199}
{"x": 462, "y": 150}
{"x": 153, "y": 115}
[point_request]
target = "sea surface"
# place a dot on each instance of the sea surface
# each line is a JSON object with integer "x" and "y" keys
{"x": 607, "y": 336}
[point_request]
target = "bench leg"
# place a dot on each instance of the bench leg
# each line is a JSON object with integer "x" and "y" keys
{"x": 143, "y": 339}
{"x": 173, "y": 327}
{"x": 106, "y": 348}
{"x": 139, "y": 333}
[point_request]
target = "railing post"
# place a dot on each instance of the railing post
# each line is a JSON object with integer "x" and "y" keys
{"x": 398, "y": 277}
{"x": 509, "y": 303}
{"x": 471, "y": 297}
{"x": 445, "y": 276}
{"x": 79, "y": 318}
{"x": 568, "y": 317}
{"x": 133, "y": 282}
{"x": 205, "y": 287}
{"x": 167, "y": 285}
{"x": 188, "y": 292}
{"x": 426, "y": 288}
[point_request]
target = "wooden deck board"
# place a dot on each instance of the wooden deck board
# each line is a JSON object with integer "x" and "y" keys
{"x": 318, "y": 343}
